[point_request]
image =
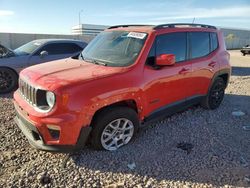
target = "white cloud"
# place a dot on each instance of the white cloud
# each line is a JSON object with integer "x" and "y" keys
{"x": 183, "y": 12}
{"x": 229, "y": 12}
{"x": 6, "y": 12}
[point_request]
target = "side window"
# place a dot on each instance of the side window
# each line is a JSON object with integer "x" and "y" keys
{"x": 214, "y": 41}
{"x": 60, "y": 48}
{"x": 172, "y": 43}
{"x": 199, "y": 42}
{"x": 73, "y": 48}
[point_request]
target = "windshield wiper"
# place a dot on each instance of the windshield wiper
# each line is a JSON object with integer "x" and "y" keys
{"x": 95, "y": 61}
{"x": 81, "y": 56}
{"x": 99, "y": 62}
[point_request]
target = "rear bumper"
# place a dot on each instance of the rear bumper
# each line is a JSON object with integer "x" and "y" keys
{"x": 36, "y": 139}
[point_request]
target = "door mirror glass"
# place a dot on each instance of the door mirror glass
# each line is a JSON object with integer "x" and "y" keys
{"x": 165, "y": 59}
{"x": 43, "y": 54}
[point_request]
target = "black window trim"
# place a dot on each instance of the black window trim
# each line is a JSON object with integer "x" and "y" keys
{"x": 210, "y": 43}
{"x": 151, "y": 48}
{"x": 188, "y": 45}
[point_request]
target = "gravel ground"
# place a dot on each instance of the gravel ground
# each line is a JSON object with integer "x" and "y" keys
{"x": 218, "y": 152}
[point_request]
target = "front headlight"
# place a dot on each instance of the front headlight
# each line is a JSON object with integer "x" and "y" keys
{"x": 51, "y": 98}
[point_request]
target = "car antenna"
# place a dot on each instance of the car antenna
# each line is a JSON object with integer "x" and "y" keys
{"x": 193, "y": 20}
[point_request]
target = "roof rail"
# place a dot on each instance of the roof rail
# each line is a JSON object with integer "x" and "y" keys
{"x": 116, "y": 26}
{"x": 173, "y": 25}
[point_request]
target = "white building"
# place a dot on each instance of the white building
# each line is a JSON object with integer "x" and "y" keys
{"x": 88, "y": 29}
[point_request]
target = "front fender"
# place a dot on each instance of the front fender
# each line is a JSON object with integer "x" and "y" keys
{"x": 110, "y": 98}
{"x": 14, "y": 63}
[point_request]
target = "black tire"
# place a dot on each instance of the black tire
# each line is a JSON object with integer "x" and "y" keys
{"x": 8, "y": 80}
{"x": 105, "y": 117}
{"x": 215, "y": 95}
{"x": 243, "y": 54}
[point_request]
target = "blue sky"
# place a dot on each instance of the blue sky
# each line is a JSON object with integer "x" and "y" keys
{"x": 58, "y": 16}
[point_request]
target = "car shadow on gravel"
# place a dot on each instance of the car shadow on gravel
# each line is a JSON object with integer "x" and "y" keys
{"x": 8, "y": 96}
{"x": 219, "y": 154}
{"x": 240, "y": 71}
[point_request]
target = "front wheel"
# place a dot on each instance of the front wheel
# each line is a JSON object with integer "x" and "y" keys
{"x": 8, "y": 80}
{"x": 114, "y": 128}
{"x": 215, "y": 95}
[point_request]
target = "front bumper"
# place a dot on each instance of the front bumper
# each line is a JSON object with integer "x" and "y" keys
{"x": 36, "y": 139}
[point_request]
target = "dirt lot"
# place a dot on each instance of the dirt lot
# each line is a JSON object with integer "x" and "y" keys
{"x": 220, "y": 155}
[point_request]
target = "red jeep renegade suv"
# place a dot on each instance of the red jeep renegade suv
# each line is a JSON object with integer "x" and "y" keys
{"x": 127, "y": 75}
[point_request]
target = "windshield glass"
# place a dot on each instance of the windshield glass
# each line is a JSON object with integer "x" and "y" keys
{"x": 115, "y": 48}
{"x": 28, "y": 48}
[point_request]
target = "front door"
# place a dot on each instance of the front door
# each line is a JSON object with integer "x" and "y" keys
{"x": 167, "y": 85}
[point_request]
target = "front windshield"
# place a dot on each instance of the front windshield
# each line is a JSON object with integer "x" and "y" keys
{"x": 115, "y": 48}
{"x": 28, "y": 48}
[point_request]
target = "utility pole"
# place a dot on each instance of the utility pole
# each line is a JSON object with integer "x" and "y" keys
{"x": 193, "y": 20}
{"x": 80, "y": 27}
{"x": 80, "y": 17}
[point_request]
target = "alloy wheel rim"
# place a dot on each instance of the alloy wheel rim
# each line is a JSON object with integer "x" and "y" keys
{"x": 5, "y": 80}
{"x": 217, "y": 94}
{"x": 117, "y": 133}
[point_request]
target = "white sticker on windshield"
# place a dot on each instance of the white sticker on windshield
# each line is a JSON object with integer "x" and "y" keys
{"x": 137, "y": 35}
{"x": 37, "y": 44}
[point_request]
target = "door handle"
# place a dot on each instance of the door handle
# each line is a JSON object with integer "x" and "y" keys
{"x": 184, "y": 70}
{"x": 212, "y": 64}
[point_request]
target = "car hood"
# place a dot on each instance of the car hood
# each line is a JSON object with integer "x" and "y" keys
{"x": 63, "y": 72}
{"x": 6, "y": 52}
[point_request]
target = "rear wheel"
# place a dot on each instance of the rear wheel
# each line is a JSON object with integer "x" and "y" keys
{"x": 8, "y": 80}
{"x": 243, "y": 54}
{"x": 215, "y": 95}
{"x": 114, "y": 128}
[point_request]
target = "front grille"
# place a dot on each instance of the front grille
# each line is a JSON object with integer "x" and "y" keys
{"x": 28, "y": 92}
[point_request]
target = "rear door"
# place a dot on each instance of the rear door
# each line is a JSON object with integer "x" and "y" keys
{"x": 55, "y": 51}
{"x": 203, "y": 50}
{"x": 167, "y": 84}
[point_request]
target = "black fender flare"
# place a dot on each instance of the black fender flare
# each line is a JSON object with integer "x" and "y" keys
{"x": 219, "y": 73}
